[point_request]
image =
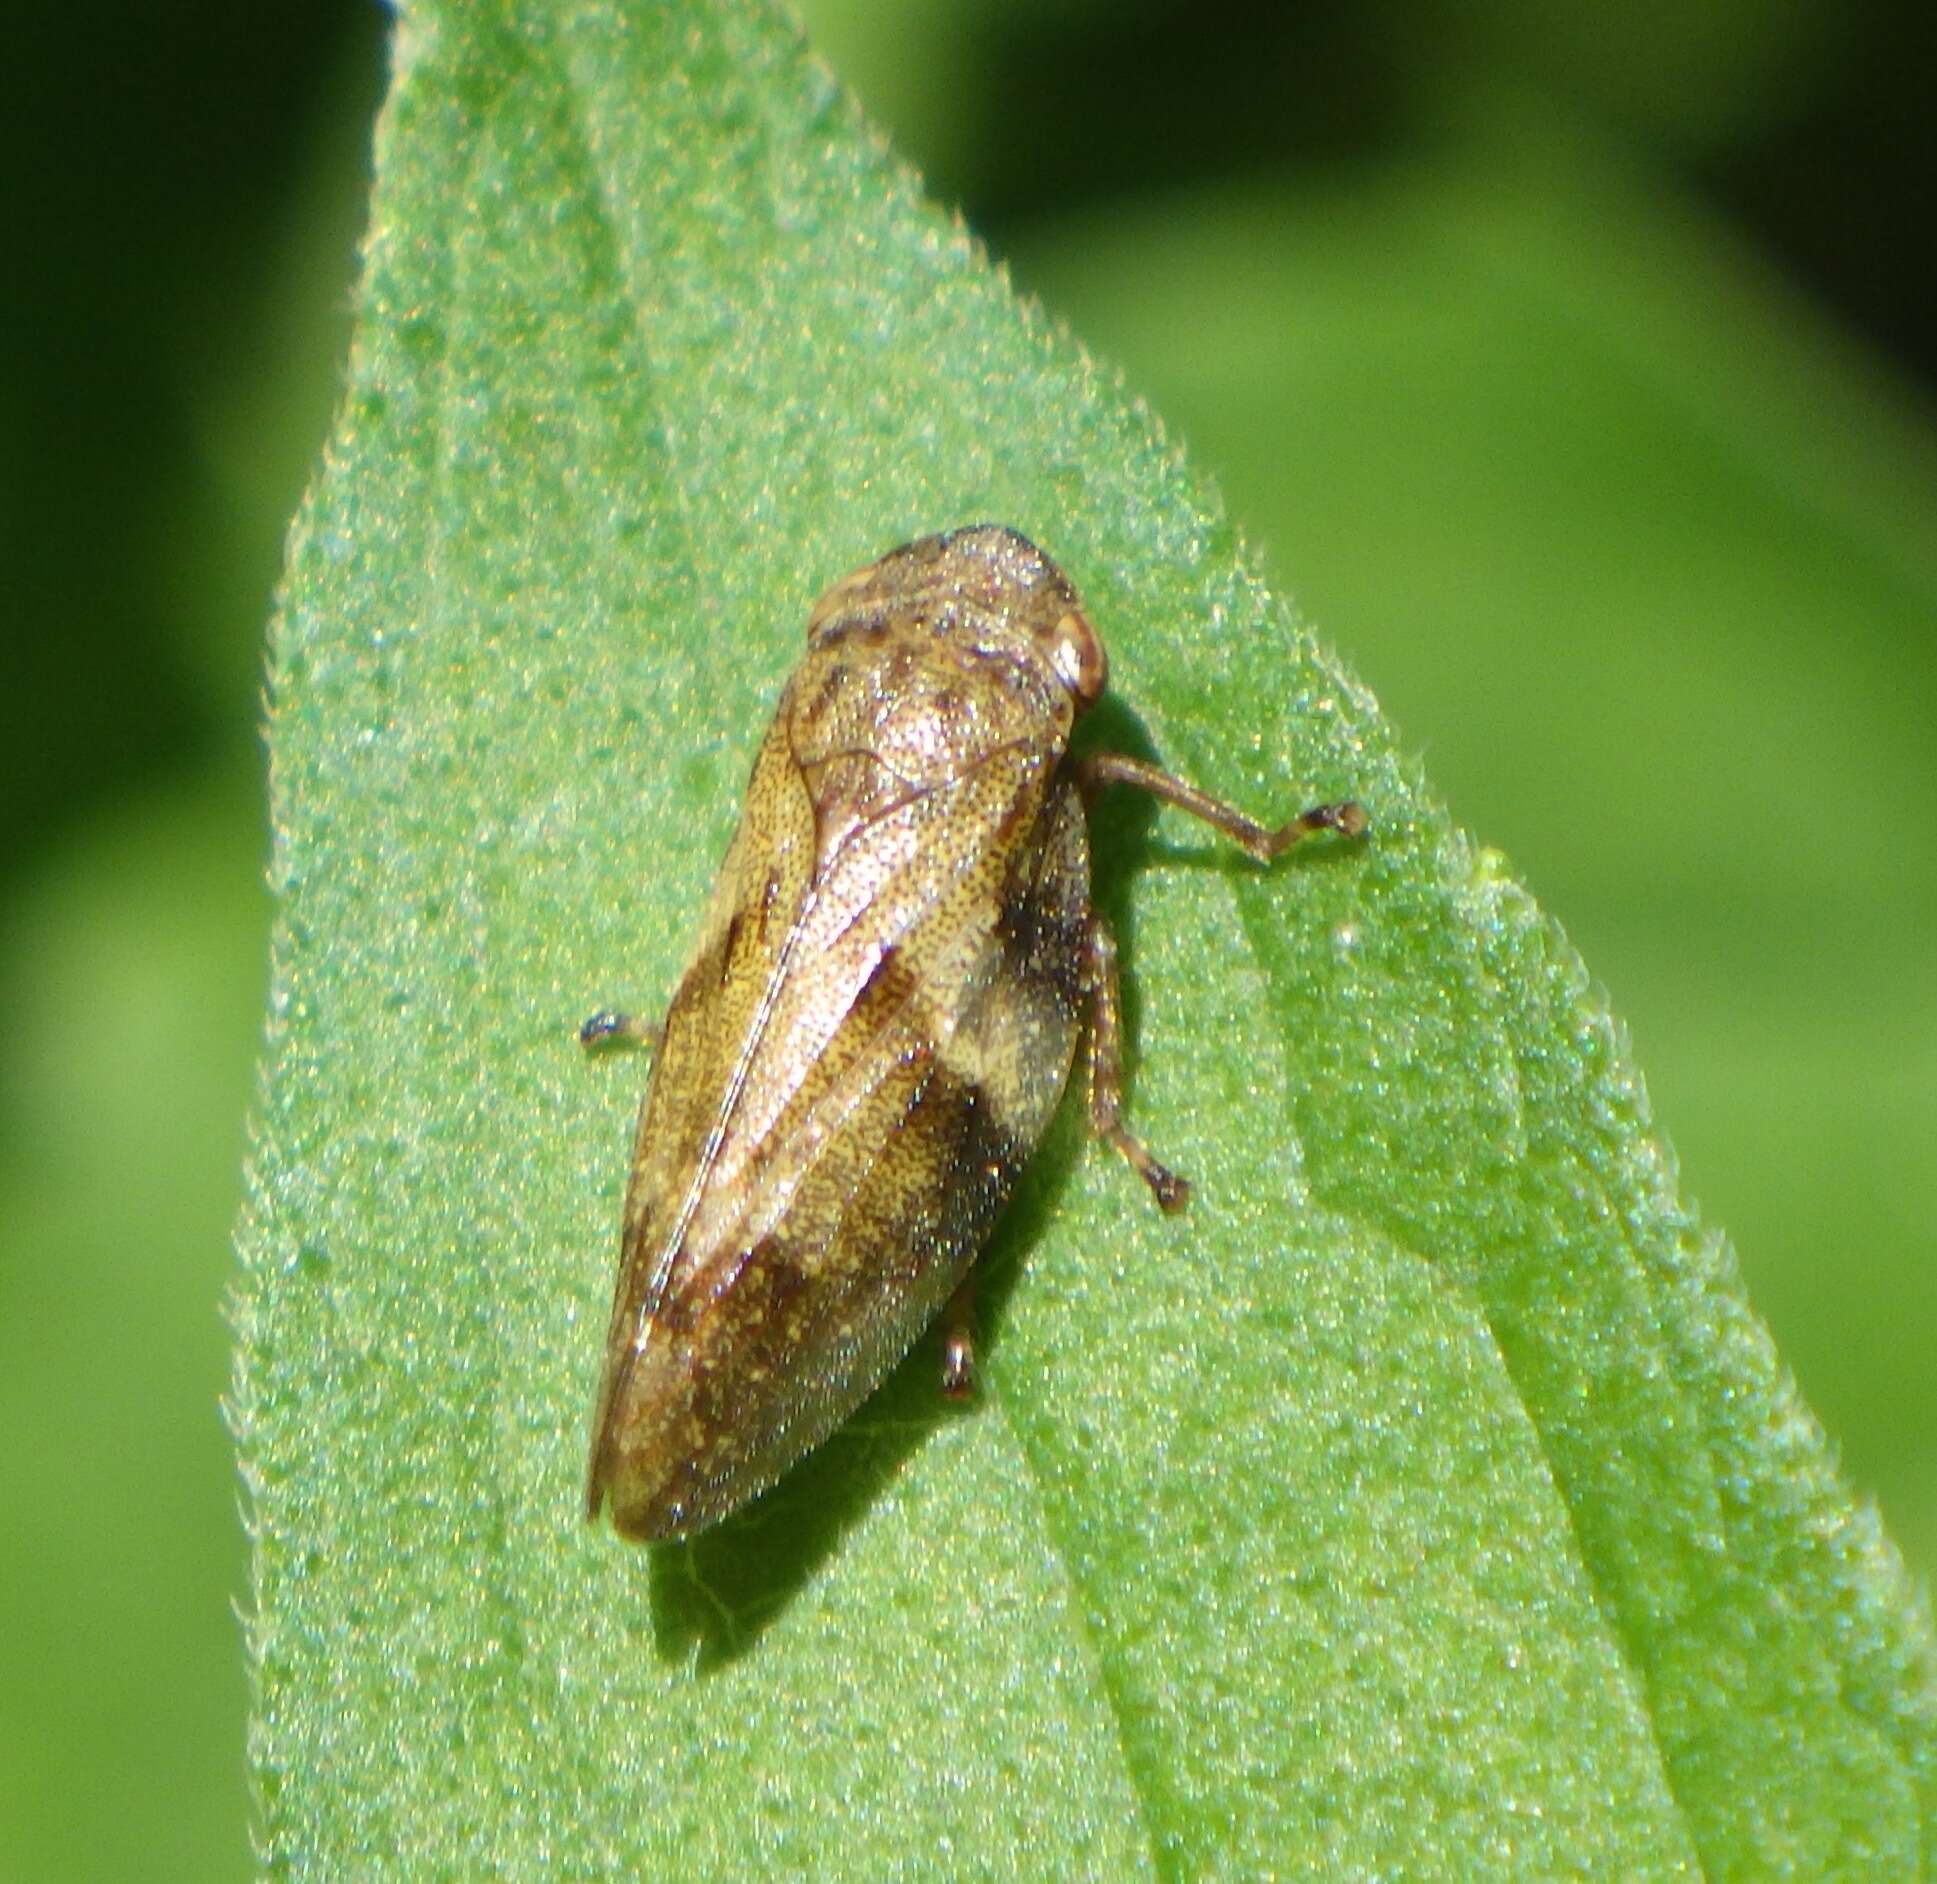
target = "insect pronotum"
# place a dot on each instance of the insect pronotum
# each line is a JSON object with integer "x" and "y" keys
{"x": 898, "y": 961}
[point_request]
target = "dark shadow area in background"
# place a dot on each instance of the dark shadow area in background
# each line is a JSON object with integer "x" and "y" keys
{"x": 1837, "y": 192}
{"x": 151, "y": 155}
{"x": 1081, "y": 107}
{"x": 1084, "y": 104}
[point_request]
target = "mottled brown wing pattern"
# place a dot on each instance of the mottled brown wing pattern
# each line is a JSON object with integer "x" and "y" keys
{"x": 918, "y": 1147}
{"x": 874, "y": 1234}
{"x": 766, "y": 1217}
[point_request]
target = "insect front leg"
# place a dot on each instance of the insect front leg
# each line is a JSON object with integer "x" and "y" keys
{"x": 1106, "y": 1070}
{"x": 1098, "y": 769}
{"x": 606, "y": 1026}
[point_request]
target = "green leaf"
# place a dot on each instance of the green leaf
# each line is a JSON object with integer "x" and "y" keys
{"x": 1647, "y": 553}
{"x": 1426, "y": 1501}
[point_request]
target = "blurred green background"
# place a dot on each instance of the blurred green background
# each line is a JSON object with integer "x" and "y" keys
{"x": 1571, "y": 370}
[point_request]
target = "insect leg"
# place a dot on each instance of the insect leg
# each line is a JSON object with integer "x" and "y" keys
{"x": 958, "y": 1342}
{"x": 1106, "y": 1070}
{"x": 606, "y": 1026}
{"x": 1098, "y": 769}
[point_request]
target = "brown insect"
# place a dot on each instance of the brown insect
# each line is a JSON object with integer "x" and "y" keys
{"x": 876, "y": 1026}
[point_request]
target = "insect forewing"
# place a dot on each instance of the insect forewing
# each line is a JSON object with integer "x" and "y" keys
{"x": 861, "y": 1052}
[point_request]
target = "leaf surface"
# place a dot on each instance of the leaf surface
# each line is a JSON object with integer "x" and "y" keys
{"x": 1426, "y": 1500}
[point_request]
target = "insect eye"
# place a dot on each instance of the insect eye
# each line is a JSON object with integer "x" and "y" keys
{"x": 1076, "y": 652}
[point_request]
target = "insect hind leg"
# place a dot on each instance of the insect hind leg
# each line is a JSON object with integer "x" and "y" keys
{"x": 1106, "y": 1071}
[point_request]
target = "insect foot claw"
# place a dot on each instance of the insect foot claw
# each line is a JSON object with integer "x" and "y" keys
{"x": 1347, "y": 818}
{"x": 958, "y": 1342}
{"x": 1171, "y": 1191}
{"x": 958, "y": 1370}
{"x": 608, "y": 1025}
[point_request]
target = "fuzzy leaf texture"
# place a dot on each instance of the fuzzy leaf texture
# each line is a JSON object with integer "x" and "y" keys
{"x": 1427, "y": 1500}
